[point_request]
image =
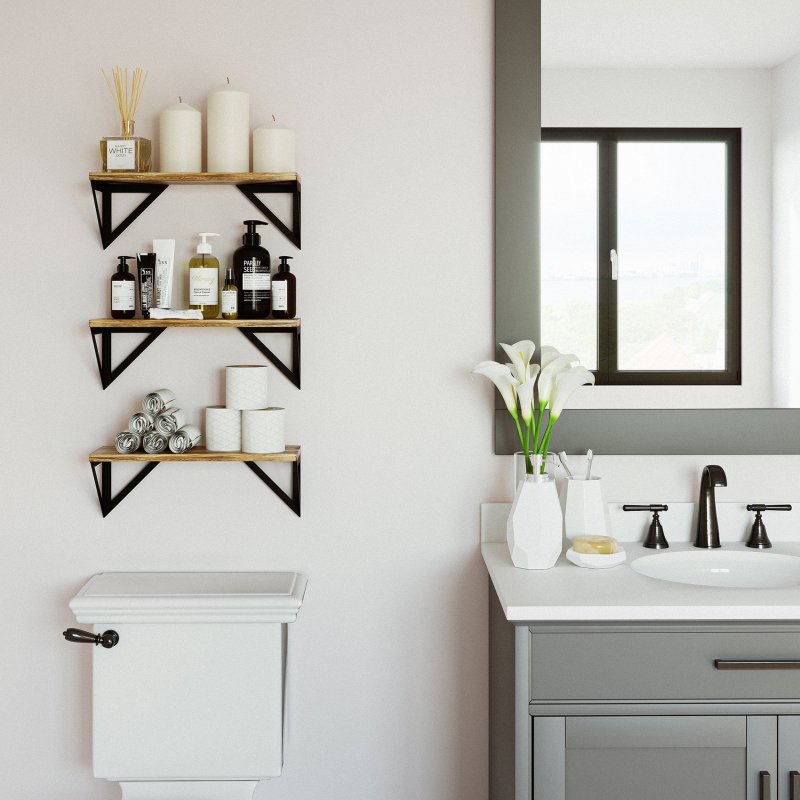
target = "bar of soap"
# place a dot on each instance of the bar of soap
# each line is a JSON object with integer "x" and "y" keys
{"x": 603, "y": 545}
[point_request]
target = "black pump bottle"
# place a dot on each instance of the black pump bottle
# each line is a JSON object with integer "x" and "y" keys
{"x": 284, "y": 291}
{"x": 253, "y": 271}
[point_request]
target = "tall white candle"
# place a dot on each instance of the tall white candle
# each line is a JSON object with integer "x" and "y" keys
{"x": 180, "y": 139}
{"x": 228, "y": 130}
{"x": 273, "y": 148}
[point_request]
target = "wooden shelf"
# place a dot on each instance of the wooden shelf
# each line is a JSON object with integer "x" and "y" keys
{"x": 194, "y": 323}
{"x": 109, "y": 453}
{"x": 224, "y": 178}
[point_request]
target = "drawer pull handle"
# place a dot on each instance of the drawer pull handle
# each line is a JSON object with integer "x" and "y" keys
{"x": 794, "y": 785}
{"x": 764, "y": 785}
{"x": 725, "y": 663}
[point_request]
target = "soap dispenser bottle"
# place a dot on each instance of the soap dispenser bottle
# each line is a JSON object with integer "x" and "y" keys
{"x": 251, "y": 264}
{"x": 284, "y": 291}
{"x": 204, "y": 279}
{"x": 123, "y": 291}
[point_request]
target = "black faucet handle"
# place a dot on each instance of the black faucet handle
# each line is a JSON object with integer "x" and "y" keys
{"x": 758, "y": 533}
{"x": 656, "y": 540}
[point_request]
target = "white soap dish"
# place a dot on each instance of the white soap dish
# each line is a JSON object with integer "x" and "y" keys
{"x": 596, "y": 560}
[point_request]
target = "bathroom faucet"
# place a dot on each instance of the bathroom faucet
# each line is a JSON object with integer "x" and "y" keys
{"x": 707, "y": 525}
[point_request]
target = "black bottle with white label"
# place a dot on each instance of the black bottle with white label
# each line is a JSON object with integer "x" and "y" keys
{"x": 284, "y": 291}
{"x": 252, "y": 267}
{"x": 123, "y": 291}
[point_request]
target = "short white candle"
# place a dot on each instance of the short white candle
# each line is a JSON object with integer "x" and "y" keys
{"x": 180, "y": 139}
{"x": 228, "y": 130}
{"x": 273, "y": 148}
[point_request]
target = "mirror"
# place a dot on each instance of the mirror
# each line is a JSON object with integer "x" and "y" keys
{"x": 663, "y": 64}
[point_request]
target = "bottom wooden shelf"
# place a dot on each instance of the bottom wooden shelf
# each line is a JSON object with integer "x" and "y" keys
{"x": 104, "y": 457}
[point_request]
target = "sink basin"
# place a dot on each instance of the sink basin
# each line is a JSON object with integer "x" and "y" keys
{"x": 730, "y": 568}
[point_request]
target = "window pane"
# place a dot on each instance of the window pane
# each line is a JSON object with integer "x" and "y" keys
{"x": 569, "y": 248}
{"x": 671, "y": 245}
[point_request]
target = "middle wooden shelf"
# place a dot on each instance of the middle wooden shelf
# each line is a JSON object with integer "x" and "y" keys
{"x": 152, "y": 328}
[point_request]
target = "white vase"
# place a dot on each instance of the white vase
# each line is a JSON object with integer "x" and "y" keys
{"x": 585, "y": 511}
{"x": 534, "y": 524}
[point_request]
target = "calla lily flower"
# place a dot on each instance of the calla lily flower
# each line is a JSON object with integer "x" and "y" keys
{"x": 525, "y": 395}
{"x": 520, "y": 354}
{"x": 502, "y": 377}
{"x": 566, "y": 384}
{"x": 547, "y": 378}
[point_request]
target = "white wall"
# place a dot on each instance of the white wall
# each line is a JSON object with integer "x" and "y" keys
{"x": 730, "y": 98}
{"x": 393, "y": 107}
{"x": 786, "y": 230}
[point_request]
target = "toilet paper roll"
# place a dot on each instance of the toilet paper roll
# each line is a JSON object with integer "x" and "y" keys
{"x": 154, "y": 443}
{"x": 141, "y": 422}
{"x": 127, "y": 442}
{"x": 185, "y": 439}
{"x": 157, "y": 401}
{"x": 246, "y": 387}
{"x": 263, "y": 430}
{"x": 223, "y": 429}
{"x": 169, "y": 421}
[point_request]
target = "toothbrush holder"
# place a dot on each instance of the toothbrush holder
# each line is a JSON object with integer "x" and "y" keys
{"x": 585, "y": 510}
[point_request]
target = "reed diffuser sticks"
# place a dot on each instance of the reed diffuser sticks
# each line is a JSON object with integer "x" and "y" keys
{"x": 126, "y": 95}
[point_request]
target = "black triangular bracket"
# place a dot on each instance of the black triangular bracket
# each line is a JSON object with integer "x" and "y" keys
{"x": 107, "y": 190}
{"x": 251, "y": 190}
{"x": 103, "y": 354}
{"x": 108, "y": 502}
{"x": 292, "y": 501}
{"x": 293, "y": 372}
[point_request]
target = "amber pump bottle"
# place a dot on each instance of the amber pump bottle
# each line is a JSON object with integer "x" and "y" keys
{"x": 123, "y": 291}
{"x": 253, "y": 269}
{"x": 284, "y": 291}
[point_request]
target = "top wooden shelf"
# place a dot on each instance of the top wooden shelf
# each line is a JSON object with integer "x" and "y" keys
{"x": 194, "y": 323}
{"x": 230, "y": 178}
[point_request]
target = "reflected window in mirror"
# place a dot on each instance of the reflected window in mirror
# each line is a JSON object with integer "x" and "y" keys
{"x": 640, "y": 252}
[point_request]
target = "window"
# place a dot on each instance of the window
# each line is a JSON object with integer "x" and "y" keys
{"x": 640, "y": 252}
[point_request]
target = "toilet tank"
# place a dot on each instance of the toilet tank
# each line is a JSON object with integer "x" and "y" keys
{"x": 194, "y": 689}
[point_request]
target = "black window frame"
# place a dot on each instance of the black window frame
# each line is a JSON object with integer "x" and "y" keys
{"x": 607, "y": 372}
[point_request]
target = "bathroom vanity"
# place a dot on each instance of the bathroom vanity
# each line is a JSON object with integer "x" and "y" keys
{"x": 610, "y": 685}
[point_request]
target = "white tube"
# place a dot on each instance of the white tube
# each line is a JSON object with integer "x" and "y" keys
{"x": 170, "y": 420}
{"x": 185, "y": 439}
{"x": 158, "y": 401}
{"x": 165, "y": 264}
{"x": 141, "y": 422}
{"x": 154, "y": 443}
{"x": 127, "y": 442}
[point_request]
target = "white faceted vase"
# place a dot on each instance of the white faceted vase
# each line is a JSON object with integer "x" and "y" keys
{"x": 535, "y": 524}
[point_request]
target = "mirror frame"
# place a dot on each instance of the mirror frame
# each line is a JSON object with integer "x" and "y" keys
{"x": 717, "y": 431}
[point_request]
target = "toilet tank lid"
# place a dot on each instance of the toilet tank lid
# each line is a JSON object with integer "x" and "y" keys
{"x": 190, "y": 597}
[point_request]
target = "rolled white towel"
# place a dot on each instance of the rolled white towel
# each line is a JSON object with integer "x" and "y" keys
{"x": 154, "y": 443}
{"x": 141, "y": 422}
{"x": 185, "y": 439}
{"x": 169, "y": 421}
{"x": 127, "y": 442}
{"x": 158, "y": 401}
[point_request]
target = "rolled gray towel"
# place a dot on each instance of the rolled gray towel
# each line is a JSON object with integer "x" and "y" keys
{"x": 157, "y": 401}
{"x": 141, "y": 422}
{"x": 185, "y": 439}
{"x": 154, "y": 443}
{"x": 169, "y": 421}
{"x": 127, "y": 442}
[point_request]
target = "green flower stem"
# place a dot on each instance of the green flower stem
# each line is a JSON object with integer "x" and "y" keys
{"x": 546, "y": 440}
{"x": 524, "y": 442}
{"x": 537, "y": 427}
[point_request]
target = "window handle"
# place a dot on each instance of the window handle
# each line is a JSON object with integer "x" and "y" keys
{"x": 794, "y": 785}
{"x": 764, "y": 785}
{"x": 614, "y": 265}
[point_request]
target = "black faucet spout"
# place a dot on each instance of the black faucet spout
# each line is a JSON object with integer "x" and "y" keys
{"x": 707, "y": 525}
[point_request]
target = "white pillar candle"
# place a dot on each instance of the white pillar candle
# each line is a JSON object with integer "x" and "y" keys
{"x": 273, "y": 149}
{"x": 180, "y": 140}
{"x": 228, "y": 130}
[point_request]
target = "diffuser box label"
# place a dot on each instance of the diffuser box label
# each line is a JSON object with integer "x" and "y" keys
{"x": 120, "y": 154}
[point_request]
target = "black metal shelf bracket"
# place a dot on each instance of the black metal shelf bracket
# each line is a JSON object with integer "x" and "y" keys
{"x": 293, "y": 372}
{"x": 109, "y": 374}
{"x": 109, "y": 502}
{"x": 107, "y": 190}
{"x": 251, "y": 192}
{"x": 292, "y": 501}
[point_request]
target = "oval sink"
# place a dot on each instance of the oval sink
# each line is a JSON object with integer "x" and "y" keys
{"x": 730, "y": 568}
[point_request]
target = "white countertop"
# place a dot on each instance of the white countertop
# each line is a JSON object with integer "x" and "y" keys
{"x": 570, "y": 593}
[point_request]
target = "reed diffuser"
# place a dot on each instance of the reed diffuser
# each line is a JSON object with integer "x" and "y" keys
{"x": 126, "y": 152}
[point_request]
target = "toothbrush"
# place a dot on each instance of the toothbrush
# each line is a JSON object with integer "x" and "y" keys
{"x": 562, "y": 457}
{"x": 589, "y": 457}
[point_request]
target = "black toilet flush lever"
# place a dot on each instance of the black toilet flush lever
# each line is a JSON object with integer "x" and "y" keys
{"x": 108, "y": 639}
{"x": 656, "y": 540}
{"x": 758, "y": 533}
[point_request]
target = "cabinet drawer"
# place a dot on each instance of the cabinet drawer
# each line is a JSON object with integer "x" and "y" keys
{"x": 669, "y": 666}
